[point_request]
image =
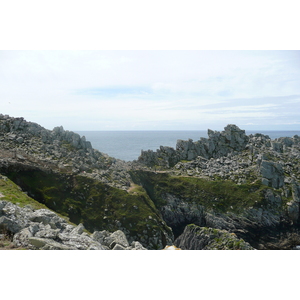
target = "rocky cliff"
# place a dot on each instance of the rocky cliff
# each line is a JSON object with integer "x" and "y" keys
{"x": 230, "y": 185}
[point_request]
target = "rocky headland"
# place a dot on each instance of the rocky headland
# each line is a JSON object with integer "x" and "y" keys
{"x": 227, "y": 191}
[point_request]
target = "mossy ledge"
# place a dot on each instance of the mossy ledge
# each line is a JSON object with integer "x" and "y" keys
{"x": 96, "y": 205}
{"x": 254, "y": 212}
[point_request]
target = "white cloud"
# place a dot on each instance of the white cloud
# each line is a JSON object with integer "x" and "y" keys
{"x": 165, "y": 89}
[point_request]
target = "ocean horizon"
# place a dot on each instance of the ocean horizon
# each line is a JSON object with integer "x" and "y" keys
{"x": 127, "y": 145}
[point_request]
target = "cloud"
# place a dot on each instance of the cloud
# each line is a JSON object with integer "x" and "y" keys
{"x": 150, "y": 89}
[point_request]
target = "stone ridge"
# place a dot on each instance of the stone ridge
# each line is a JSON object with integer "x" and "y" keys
{"x": 217, "y": 145}
{"x": 58, "y": 150}
{"x": 19, "y": 129}
{"x": 232, "y": 155}
{"x": 191, "y": 184}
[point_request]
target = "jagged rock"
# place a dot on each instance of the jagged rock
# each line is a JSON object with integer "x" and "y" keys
{"x": 116, "y": 240}
{"x": 48, "y": 232}
{"x": 9, "y": 225}
{"x": 217, "y": 145}
{"x": 21, "y": 238}
{"x": 137, "y": 246}
{"x": 272, "y": 174}
{"x": 43, "y": 229}
{"x": 177, "y": 213}
{"x": 80, "y": 242}
{"x": 203, "y": 238}
{"x": 118, "y": 247}
{"x": 48, "y": 244}
{"x": 100, "y": 236}
{"x": 227, "y": 155}
{"x": 119, "y": 237}
{"x": 78, "y": 230}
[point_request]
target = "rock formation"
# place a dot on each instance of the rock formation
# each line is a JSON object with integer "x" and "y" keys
{"x": 217, "y": 145}
{"x": 45, "y": 230}
{"x": 236, "y": 190}
{"x": 203, "y": 238}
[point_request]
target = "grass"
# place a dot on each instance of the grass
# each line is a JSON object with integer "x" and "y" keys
{"x": 217, "y": 195}
{"x": 91, "y": 202}
{"x": 9, "y": 191}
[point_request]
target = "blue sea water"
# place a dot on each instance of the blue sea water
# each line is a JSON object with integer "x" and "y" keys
{"x": 127, "y": 145}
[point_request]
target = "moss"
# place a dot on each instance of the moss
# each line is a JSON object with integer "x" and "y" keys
{"x": 93, "y": 203}
{"x": 68, "y": 146}
{"x": 219, "y": 195}
{"x": 12, "y": 193}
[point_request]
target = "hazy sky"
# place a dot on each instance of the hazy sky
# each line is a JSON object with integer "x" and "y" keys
{"x": 152, "y": 90}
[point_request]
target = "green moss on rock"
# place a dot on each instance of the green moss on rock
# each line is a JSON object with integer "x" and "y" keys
{"x": 218, "y": 195}
{"x": 97, "y": 205}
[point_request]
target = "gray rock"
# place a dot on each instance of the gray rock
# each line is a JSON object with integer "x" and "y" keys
{"x": 20, "y": 140}
{"x": 293, "y": 210}
{"x": 10, "y": 225}
{"x": 203, "y": 238}
{"x": 118, "y": 247}
{"x": 119, "y": 238}
{"x": 48, "y": 232}
{"x": 21, "y": 238}
{"x": 78, "y": 230}
{"x": 273, "y": 172}
{"x": 79, "y": 242}
{"x": 43, "y": 215}
{"x": 48, "y": 244}
{"x": 100, "y": 236}
{"x": 137, "y": 246}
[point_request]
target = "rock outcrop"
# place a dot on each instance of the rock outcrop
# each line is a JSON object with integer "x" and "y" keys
{"x": 230, "y": 185}
{"x": 45, "y": 230}
{"x": 204, "y": 238}
{"x": 217, "y": 145}
{"x": 58, "y": 149}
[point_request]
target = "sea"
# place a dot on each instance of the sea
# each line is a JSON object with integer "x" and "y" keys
{"x": 127, "y": 145}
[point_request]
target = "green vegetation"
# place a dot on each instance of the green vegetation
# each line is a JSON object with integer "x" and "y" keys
{"x": 219, "y": 239}
{"x": 9, "y": 191}
{"x": 93, "y": 203}
{"x": 219, "y": 195}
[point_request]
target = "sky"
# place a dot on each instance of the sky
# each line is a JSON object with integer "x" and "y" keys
{"x": 152, "y": 90}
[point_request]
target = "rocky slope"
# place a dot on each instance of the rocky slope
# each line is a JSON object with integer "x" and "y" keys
{"x": 29, "y": 225}
{"x": 61, "y": 170}
{"x": 204, "y": 238}
{"x": 246, "y": 187}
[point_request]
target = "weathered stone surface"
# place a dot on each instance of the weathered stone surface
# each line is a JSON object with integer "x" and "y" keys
{"x": 79, "y": 242}
{"x": 217, "y": 145}
{"x": 178, "y": 213}
{"x": 203, "y": 238}
{"x": 9, "y": 225}
{"x": 78, "y": 230}
{"x": 119, "y": 238}
{"x": 48, "y": 244}
{"x": 42, "y": 215}
{"x": 118, "y": 247}
{"x": 137, "y": 246}
{"x": 273, "y": 172}
{"x": 33, "y": 229}
{"x": 21, "y": 239}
